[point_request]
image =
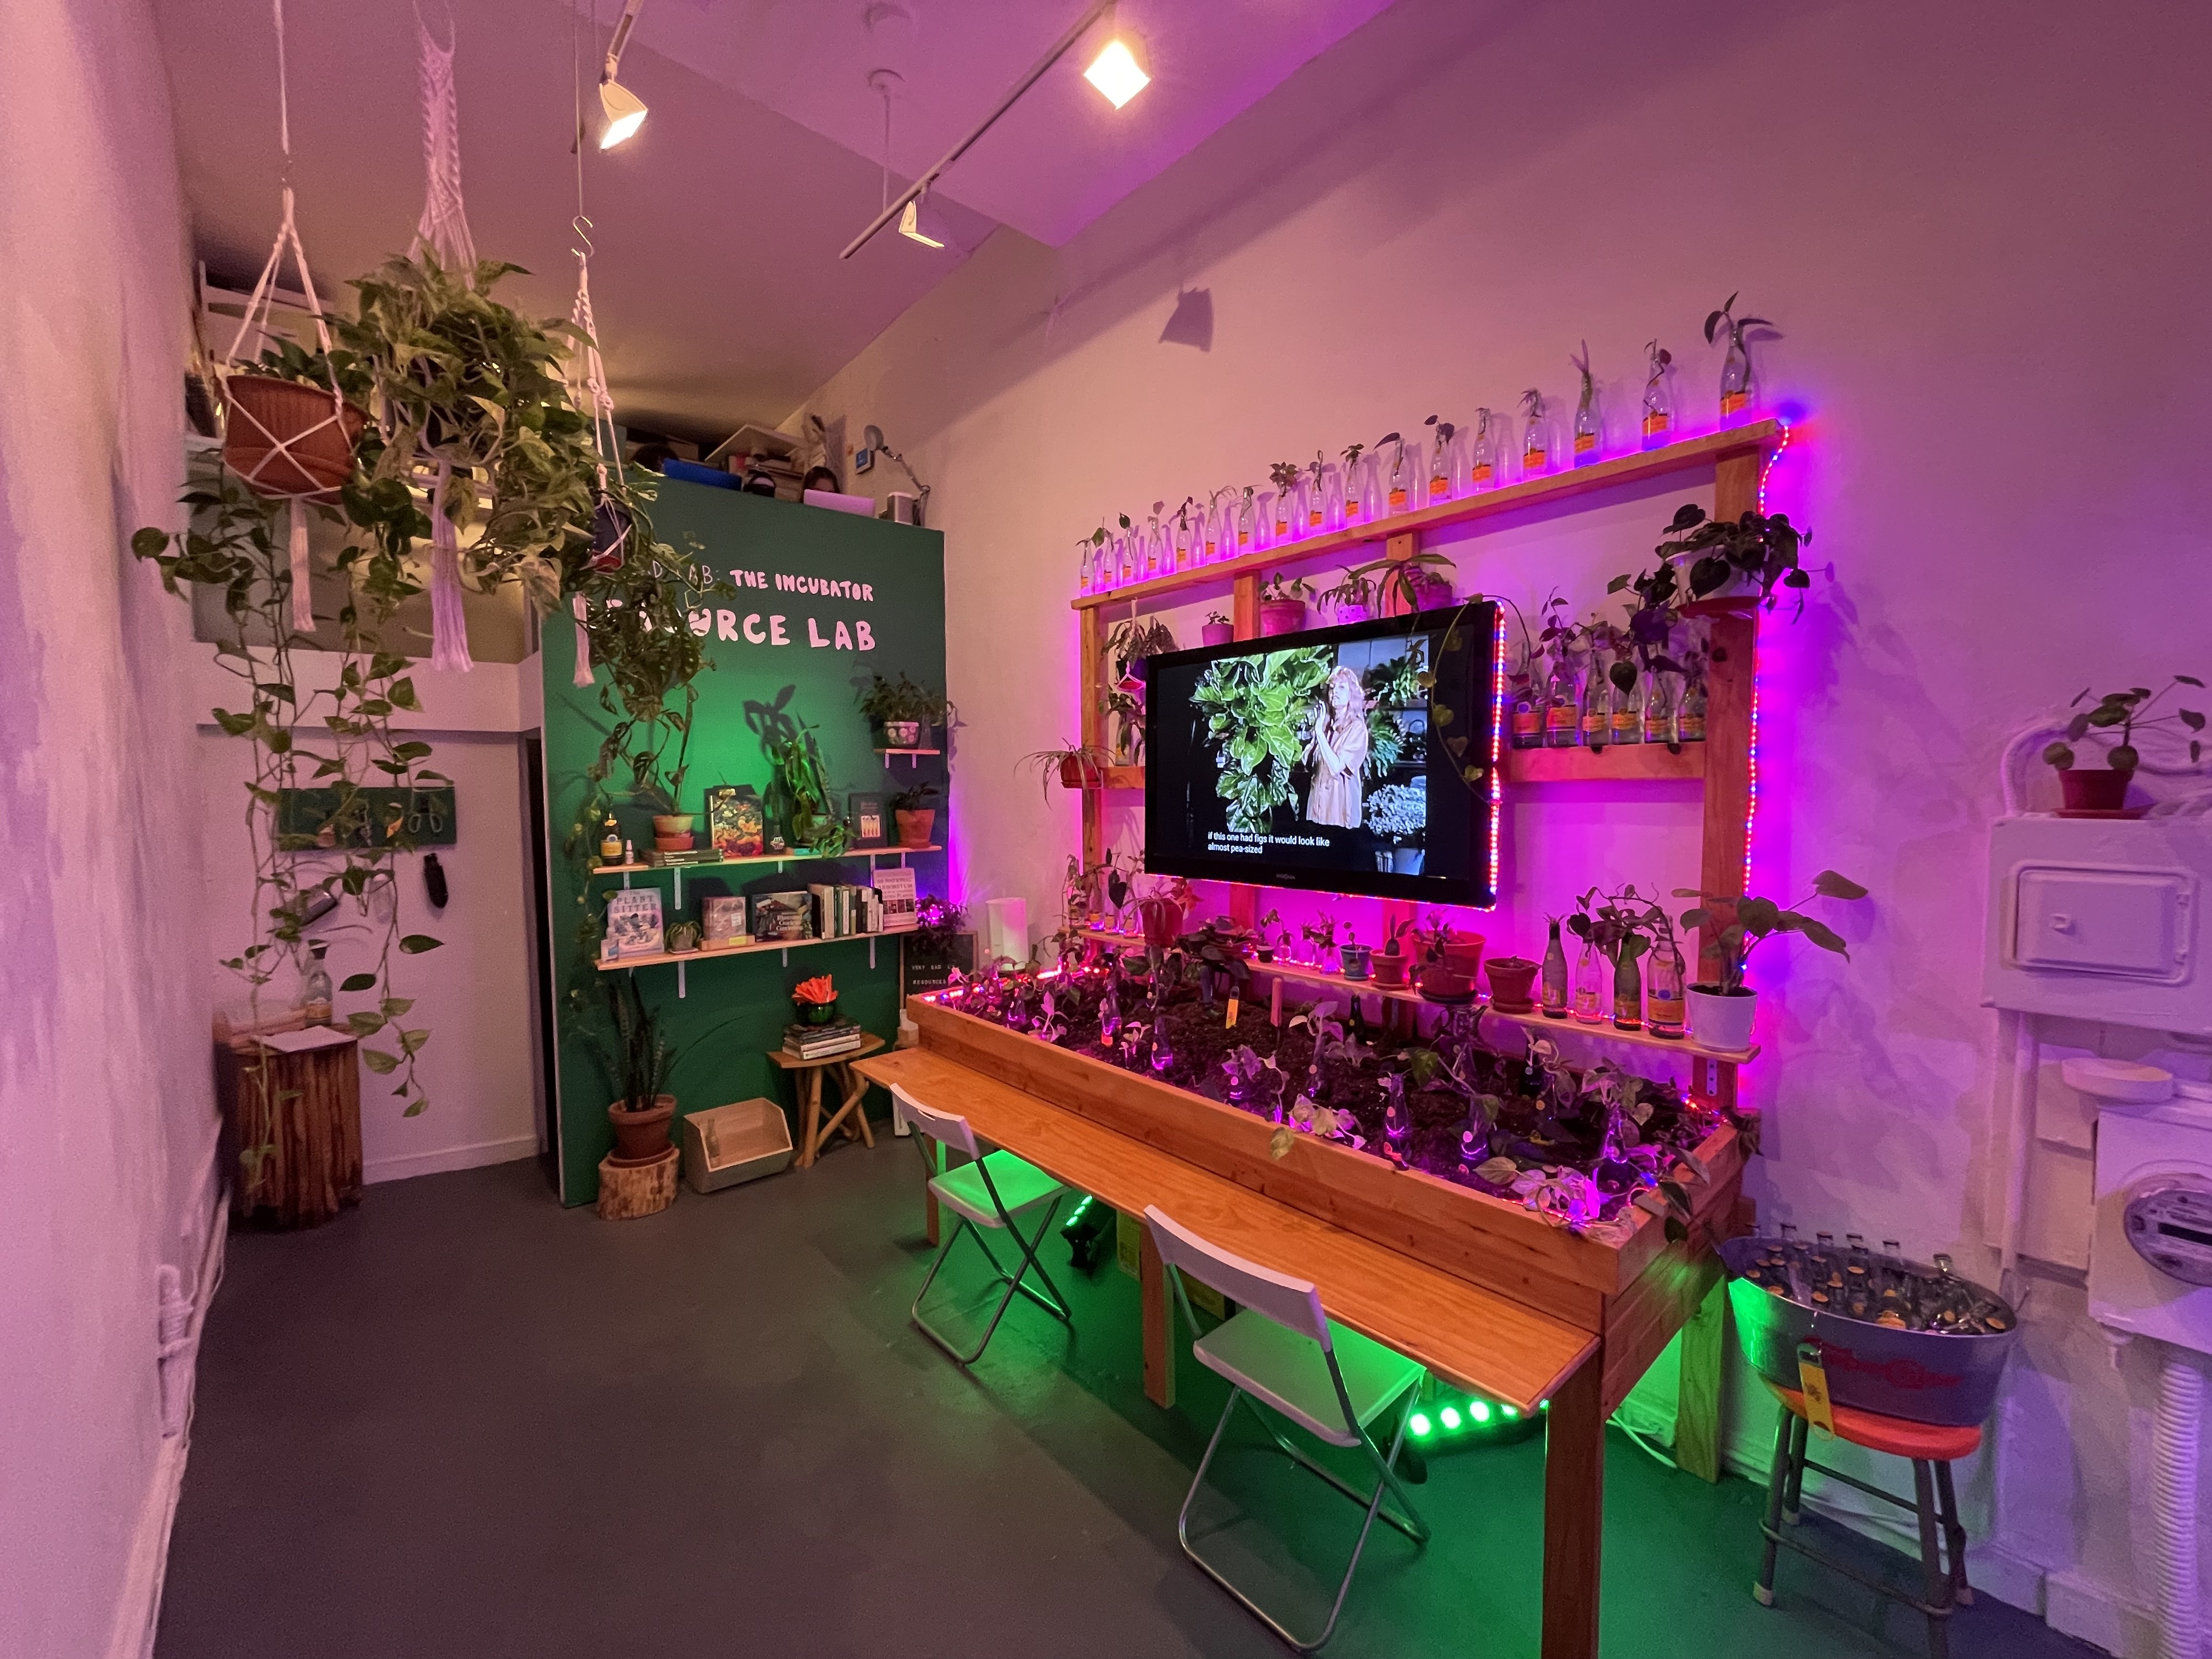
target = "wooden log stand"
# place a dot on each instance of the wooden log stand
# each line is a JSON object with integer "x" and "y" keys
{"x": 291, "y": 1126}
{"x": 628, "y": 1191}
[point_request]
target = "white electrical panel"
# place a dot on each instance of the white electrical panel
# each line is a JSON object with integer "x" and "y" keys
{"x": 2150, "y": 1260}
{"x": 2101, "y": 919}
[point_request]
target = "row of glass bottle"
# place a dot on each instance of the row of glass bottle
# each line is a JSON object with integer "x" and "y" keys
{"x": 1588, "y": 710}
{"x": 1640, "y": 1001}
{"x": 1330, "y": 498}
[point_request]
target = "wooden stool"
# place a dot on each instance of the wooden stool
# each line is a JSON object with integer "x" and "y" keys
{"x": 839, "y": 1068}
{"x": 627, "y": 1190}
{"x": 1932, "y": 1449}
{"x": 291, "y": 1121}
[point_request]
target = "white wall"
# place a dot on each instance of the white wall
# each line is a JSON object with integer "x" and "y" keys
{"x": 474, "y": 993}
{"x": 105, "y": 1074}
{"x": 1978, "y": 228}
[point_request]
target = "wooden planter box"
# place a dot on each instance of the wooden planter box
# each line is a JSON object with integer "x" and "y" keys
{"x": 1637, "y": 1293}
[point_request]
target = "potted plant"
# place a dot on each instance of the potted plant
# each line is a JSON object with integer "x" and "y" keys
{"x": 799, "y": 779}
{"x": 1285, "y": 475}
{"x": 291, "y": 425}
{"x": 1747, "y": 557}
{"x": 1720, "y": 1009}
{"x": 1404, "y": 585}
{"x": 1218, "y": 949}
{"x": 2102, "y": 790}
{"x": 1738, "y": 378}
{"x": 1511, "y": 978}
{"x": 903, "y": 712}
{"x": 1266, "y": 931}
{"x": 1353, "y": 598}
{"x": 1623, "y": 927}
{"x": 1283, "y": 604}
{"x": 1399, "y": 813}
{"x": 683, "y": 938}
{"x": 1217, "y": 629}
{"x": 672, "y": 832}
{"x": 1390, "y": 962}
{"x": 814, "y": 1002}
{"x": 1077, "y": 766}
{"x": 1321, "y": 934}
{"x": 1353, "y": 957}
{"x": 916, "y": 817}
{"x": 638, "y": 1065}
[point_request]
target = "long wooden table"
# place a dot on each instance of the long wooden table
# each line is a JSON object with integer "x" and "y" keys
{"x": 1474, "y": 1338}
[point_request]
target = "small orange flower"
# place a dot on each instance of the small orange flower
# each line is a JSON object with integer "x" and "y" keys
{"x": 817, "y": 989}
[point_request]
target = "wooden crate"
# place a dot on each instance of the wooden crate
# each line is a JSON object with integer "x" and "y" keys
{"x": 1637, "y": 1292}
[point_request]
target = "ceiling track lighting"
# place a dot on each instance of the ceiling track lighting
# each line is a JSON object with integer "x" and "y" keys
{"x": 624, "y": 109}
{"x": 1125, "y": 75}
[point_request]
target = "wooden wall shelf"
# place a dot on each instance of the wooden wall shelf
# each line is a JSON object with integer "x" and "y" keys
{"x": 1753, "y": 440}
{"x": 1615, "y": 762}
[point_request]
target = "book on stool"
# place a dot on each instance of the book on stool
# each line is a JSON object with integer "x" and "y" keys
{"x": 822, "y": 1041}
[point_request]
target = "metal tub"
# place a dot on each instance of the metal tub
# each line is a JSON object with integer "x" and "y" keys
{"x": 1925, "y": 1376}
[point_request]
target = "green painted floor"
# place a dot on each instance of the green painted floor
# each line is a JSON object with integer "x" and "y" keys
{"x": 462, "y": 1421}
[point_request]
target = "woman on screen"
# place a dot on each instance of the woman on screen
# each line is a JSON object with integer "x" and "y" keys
{"x": 1338, "y": 751}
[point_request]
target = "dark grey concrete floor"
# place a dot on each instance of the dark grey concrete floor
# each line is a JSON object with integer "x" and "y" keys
{"x": 462, "y": 1422}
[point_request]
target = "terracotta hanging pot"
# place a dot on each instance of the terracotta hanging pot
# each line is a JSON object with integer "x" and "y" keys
{"x": 1079, "y": 773}
{"x": 279, "y": 437}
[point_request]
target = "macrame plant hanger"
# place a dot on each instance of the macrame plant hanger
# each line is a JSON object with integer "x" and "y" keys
{"x": 612, "y": 520}
{"x": 291, "y": 465}
{"x": 444, "y": 230}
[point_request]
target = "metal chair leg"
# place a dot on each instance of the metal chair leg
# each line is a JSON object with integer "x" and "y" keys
{"x": 1777, "y": 1483}
{"x": 1801, "y": 1434}
{"x": 1954, "y": 1533}
{"x": 1416, "y": 1529}
{"x": 1013, "y": 1283}
{"x": 1936, "y": 1585}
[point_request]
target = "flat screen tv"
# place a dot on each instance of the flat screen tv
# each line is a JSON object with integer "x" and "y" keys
{"x": 1330, "y": 760}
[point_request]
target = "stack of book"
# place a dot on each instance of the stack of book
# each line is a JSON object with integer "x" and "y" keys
{"x": 839, "y": 1037}
{"x": 841, "y": 911}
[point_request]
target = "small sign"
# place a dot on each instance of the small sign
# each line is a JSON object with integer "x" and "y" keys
{"x": 311, "y": 818}
{"x": 1813, "y": 1377}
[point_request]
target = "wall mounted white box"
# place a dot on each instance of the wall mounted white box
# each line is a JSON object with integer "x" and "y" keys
{"x": 2100, "y": 919}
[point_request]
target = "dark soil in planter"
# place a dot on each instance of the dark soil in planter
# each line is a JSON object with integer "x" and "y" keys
{"x": 1452, "y": 1083}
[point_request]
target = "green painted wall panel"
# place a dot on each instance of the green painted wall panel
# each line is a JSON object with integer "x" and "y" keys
{"x": 884, "y": 585}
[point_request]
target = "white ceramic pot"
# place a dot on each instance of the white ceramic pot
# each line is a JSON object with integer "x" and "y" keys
{"x": 1719, "y": 1021}
{"x": 1405, "y": 860}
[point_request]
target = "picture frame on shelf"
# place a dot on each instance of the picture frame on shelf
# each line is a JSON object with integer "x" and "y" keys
{"x": 863, "y": 813}
{"x": 737, "y": 822}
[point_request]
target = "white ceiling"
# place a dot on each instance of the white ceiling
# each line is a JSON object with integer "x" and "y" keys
{"x": 718, "y": 292}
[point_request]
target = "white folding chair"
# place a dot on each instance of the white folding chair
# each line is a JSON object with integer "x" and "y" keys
{"x": 985, "y": 1192}
{"x": 1279, "y": 1350}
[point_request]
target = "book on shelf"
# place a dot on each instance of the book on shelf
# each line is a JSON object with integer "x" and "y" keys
{"x": 781, "y": 916}
{"x": 895, "y": 895}
{"x": 633, "y": 922}
{"x": 673, "y": 860}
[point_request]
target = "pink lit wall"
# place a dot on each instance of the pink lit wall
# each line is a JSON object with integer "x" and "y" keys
{"x": 1979, "y": 227}
{"x": 106, "y": 1158}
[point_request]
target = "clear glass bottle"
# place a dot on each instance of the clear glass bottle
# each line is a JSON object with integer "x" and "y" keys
{"x": 1627, "y": 991}
{"x": 1739, "y": 393}
{"x": 1589, "y": 447}
{"x": 1659, "y": 690}
{"x": 1589, "y": 987}
{"x": 1627, "y": 725}
{"x": 1248, "y": 520}
{"x": 1561, "y": 706}
{"x": 1597, "y": 705}
{"x": 1555, "y": 975}
{"x": 1482, "y": 454}
{"x": 1658, "y": 397}
{"x": 1535, "y": 441}
{"x": 315, "y": 985}
{"x": 1529, "y": 713}
{"x": 1186, "y": 550}
{"x": 1690, "y": 717}
{"x": 1156, "y": 546}
{"x": 1440, "y": 463}
{"x": 1662, "y": 993}
{"x": 1320, "y": 477}
{"x": 1401, "y": 494}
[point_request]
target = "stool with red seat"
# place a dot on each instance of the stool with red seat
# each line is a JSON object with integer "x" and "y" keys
{"x": 1932, "y": 1449}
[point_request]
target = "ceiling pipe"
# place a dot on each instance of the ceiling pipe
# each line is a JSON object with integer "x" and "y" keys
{"x": 891, "y": 211}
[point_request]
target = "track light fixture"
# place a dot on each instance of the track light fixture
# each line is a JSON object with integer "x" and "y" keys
{"x": 625, "y": 110}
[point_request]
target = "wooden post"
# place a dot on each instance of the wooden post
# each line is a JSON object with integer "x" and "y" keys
{"x": 1574, "y": 1506}
{"x": 1730, "y": 686}
{"x": 291, "y": 1128}
{"x": 1092, "y": 722}
{"x": 1697, "y": 1409}
{"x": 1160, "y": 1323}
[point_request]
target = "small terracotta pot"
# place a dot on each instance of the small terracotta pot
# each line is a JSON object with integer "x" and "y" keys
{"x": 1511, "y": 980}
{"x": 1389, "y": 969}
{"x": 1440, "y": 984}
{"x": 1463, "y": 954}
{"x": 675, "y": 823}
{"x": 1080, "y": 774}
{"x": 914, "y": 827}
{"x": 642, "y": 1134}
{"x": 1282, "y": 616}
{"x": 672, "y": 843}
{"x": 1217, "y": 634}
{"x": 267, "y": 414}
{"x": 2093, "y": 789}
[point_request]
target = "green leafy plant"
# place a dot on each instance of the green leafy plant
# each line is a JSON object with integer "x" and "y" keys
{"x": 1284, "y": 477}
{"x": 1411, "y": 582}
{"x": 915, "y": 798}
{"x": 1255, "y": 709}
{"x": 902, "y": 700}
{"x": 1762, "y": 546}
{"x": 1130, "y": 642}
{"x": 803, "y": 791}
{"x": 1352, "y": 589}
{"x": 1278, "y": 588}
{"x": 340, "y": 739}
{"x": 1399, "y": 813}
{"x": 1216, "y": 619}
{"x": 1735, "y": 328}
{"x": 2127, "y": 710}
{"x": 1091, "y": 763}
{"x": 1623, "y": 925}
{"x": 1742, "y": 923}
